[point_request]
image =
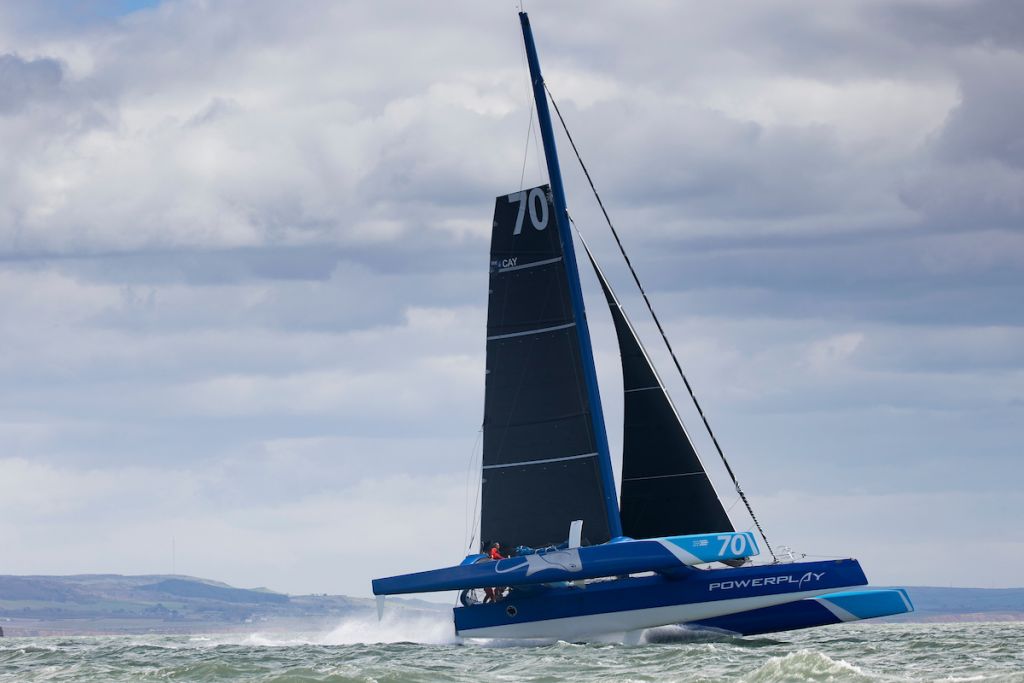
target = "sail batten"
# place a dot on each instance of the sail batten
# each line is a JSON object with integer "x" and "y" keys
{"x": 539, "y": 330}
{"x": 665, "y": 476}
{"x": 541, "y": 462}
{"x": 533, "y": 264}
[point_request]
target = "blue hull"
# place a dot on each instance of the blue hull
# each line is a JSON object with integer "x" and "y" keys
{"x": 632, "y": 603}
{"x": 832, "y": 608}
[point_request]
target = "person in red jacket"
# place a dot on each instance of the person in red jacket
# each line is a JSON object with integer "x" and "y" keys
{"x": 494, "y": 594}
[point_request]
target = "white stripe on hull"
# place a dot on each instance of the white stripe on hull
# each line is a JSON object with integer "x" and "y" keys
{"x": 568, "y": 628}
{"x": 836, "y": 610}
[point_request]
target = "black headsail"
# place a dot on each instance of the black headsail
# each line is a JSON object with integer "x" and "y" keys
{"x": 665, "y": 489}
{"x": 541, "y": 469}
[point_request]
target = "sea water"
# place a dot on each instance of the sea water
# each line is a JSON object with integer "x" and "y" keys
{"x": 422, "y": 650}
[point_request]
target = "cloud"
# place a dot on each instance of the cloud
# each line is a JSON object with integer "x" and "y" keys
{"x": 920, "y": 529}
{"x": 243, "y": 267}
{"x": 220, "y": 529}
{"x": 24, "y": 81}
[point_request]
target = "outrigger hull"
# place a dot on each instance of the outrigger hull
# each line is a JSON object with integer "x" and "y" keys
{"x": 634, "y": 603}
{"x": 832, "y": 608}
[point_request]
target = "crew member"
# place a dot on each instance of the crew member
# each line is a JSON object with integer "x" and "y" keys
{"x": 494, "y": 594}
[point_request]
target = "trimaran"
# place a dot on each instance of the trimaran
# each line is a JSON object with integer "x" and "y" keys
{"x": 582, "y": 565}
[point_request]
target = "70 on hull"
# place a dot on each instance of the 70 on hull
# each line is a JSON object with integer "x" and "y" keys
{"x": 631, "y": 603}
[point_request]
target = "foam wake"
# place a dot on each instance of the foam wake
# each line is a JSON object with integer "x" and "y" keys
{"x": 397, "y": 626}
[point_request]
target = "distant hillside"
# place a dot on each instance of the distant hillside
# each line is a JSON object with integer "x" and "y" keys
{"x": 190, "y": 588}
{"x": 89, "y": 588}
{"x": 942, "y": 604}
{"x": 111, "y": 603}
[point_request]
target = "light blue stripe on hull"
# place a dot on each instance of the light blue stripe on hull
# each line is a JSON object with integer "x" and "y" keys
{"x": 831, "y": 608}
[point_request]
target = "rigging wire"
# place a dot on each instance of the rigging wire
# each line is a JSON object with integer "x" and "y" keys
{"x": 526, "y": 150}
{"x": 661, "y": 330}
{"x": 539, "y": 153}
{"x": 471, "y": 527}
{"x": 532, "y": 129}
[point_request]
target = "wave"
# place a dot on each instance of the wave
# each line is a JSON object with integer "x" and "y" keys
{"x": 807, "y": 665}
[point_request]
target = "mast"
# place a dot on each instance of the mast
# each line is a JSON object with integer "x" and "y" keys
{"x": 562, "y": 220}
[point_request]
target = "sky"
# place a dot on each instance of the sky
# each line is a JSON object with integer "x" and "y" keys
{"x": 243, "y": 271}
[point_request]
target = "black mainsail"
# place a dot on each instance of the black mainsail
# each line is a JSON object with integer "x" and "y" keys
{"x": 541, "y": 462}
{"x": 665, "y": 488}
